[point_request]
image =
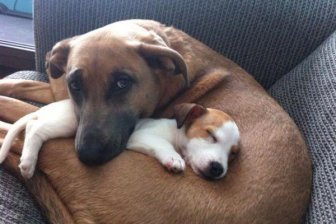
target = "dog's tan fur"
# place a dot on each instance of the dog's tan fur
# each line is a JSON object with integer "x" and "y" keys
{"x": 269, "y": 182}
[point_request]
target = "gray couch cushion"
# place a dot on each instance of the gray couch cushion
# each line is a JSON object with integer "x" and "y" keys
{"x": 16, "y": 204}
{"x": 267, "y": 38}
{"x": 308, "y": 93}
{"x": 29, "y": 75}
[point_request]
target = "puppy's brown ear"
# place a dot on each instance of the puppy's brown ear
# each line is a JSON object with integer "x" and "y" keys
{"x": 160, "y": 56}
{"x": 56, "y": 59}
{"x": 186, "y": 113}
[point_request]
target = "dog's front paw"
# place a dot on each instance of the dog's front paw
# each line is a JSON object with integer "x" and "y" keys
{"x": 174, "y": 164}
{"x": 27, "y": 168}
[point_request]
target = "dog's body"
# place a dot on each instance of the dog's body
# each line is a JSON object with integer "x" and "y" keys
{"x": 207, "y": 150}
{"x": 269, "y": 182}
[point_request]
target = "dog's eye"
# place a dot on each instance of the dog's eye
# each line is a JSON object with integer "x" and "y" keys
{"x": 120, "y": 84}
{"x": 123, "y": 83}
{"x": 212, "y": 136}
{"x": 74, "y": 85}
{"x": 75, "y": 80}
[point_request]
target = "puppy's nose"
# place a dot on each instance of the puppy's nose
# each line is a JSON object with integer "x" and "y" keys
{"x": 215, "y": 169}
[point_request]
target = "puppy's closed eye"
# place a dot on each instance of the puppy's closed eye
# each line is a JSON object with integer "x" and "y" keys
{"x": 212, "y": 136}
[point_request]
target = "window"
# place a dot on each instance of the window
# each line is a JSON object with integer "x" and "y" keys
{"x": 22, "y": 8}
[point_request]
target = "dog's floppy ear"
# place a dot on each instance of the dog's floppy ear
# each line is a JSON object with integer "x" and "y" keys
{"x": 159, "y": 55}
{"x": 56, "y": 59}
{"x": 186, "y": 113}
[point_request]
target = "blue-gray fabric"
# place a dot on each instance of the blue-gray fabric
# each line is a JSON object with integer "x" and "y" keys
{"x": 16, "y": 204}
{"x": 308, "y": 94}
{"x": 30, "y": 75}
{"x": 267, "y": 38}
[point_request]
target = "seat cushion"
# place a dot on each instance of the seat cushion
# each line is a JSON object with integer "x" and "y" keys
{"x": 308, "y": 94}
{"x": 16, "y": 204}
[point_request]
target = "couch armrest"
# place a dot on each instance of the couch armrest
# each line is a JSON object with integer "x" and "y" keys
{"x": 308, "y": 94}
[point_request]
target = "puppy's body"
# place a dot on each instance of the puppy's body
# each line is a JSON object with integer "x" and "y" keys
{"x": 159, "y": 139}
{"x": 52, "y": 121}
{"x": 215, "y": 136}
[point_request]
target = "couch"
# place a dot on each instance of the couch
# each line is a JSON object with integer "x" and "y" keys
{"x": 288, "y": 46}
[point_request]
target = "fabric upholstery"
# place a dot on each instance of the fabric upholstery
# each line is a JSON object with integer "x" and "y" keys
{"x": 267, "y": 38}
{"x": 29, "y": 75}
{"x": 308, "y": 93}
{"x": 16, "y": 204}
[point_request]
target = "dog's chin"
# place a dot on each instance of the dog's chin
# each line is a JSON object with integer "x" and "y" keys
{"x": 92, "y": 158}
{"x": 96, "y": 153}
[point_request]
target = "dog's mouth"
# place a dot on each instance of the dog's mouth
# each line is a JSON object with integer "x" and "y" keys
{"x": 96, "y": 149}
{"x": 96, "y": 153}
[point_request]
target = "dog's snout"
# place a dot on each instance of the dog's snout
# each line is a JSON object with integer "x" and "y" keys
{"x": 94, "y": 149}
{"x": 215, "y": 170}
{"x": 91, "y": 154}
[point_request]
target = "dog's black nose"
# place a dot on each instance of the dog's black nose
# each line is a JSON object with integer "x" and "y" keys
{"x": 92, "y": 154}
{"x": 215, "y": 169}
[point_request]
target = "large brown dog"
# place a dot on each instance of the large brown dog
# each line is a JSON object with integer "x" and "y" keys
{"x": 124, "y": 71}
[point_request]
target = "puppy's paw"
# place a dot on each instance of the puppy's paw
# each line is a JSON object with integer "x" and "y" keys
{"x": 27, "y": 168}
{"x": 174, "y": 164}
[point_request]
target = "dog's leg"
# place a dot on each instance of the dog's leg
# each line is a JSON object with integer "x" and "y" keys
{"x": 12, "y": 109}
{"x": 158, "y": 148}
{"x": 27, "y": 90}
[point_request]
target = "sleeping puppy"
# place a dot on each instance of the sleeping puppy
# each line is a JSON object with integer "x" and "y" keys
{"x": 205, "y": 137}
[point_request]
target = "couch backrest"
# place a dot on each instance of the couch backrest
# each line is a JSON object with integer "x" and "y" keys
{"x": 267, "y": 38}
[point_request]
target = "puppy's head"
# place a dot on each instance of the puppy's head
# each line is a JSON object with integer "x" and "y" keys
{"x": 212, "y": 139}
{"x": 114, "y": 76}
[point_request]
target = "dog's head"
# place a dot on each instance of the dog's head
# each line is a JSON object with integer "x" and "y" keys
{"x": 115, "y": 75}
{"x": 212, "y": 139}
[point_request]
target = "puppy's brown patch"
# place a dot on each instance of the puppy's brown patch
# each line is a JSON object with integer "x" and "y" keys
{"x": 208, "y": 122}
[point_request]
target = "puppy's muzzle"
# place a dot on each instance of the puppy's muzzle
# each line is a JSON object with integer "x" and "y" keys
{"x": 213, "y": 171}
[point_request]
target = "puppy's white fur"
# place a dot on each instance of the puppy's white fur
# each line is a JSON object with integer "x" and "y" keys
{"x": 52, "y": 121}
{"x": 200, "y": 152}
{"x": 159, "y": 138}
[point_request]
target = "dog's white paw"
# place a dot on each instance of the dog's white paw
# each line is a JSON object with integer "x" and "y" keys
{"x": 27, "y": 168}
{"x": 174, "y": 163}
